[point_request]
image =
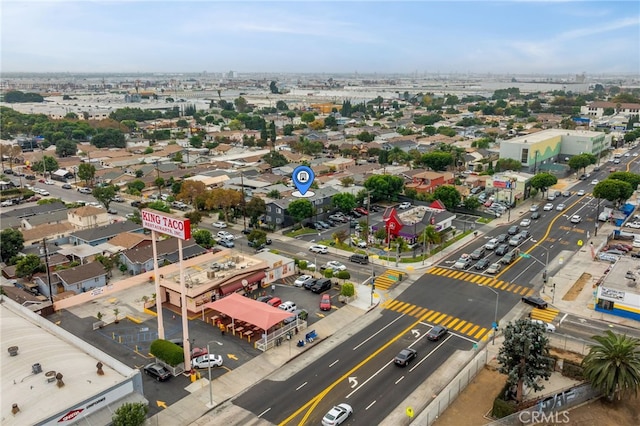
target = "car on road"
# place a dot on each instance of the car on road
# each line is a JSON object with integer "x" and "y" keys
{"x": 157, "y": 371}
{"x": 494, "y": 268}
{"x": 28, "y": 177}
{"x": 136, "y": 204}
{"x": 112, "y": 211}
{"x": 548, "y": 207}
{"x": 437, "y": 333}
{"x": 49, "y": 182}
{"x": 491, "y": 244}
{"x": 560, "y": 207}
{"x": 576, "y": 219}
{"x": 325, "y": 302}
{"x": 481, "y": 264}
{"x": 535, "y": 301}
{"x": 525, "y": 222}
{"x": 508, "y": 258}
{"x": 478, "y": 253}
{"x": 6, "y": 203}
{"x": 548, "y": 327}
{"x": 516, "y": 240}
{"x": 219, "y": 225}
{"x": 84, "y": 190}
{"x": 319, "y": 248}
{"x": 206, "y": 361}
{"x": 502, "y": 249}
{"x": 337, "y": 415}
{"x": 595, "y": 182}
{"x": 513, "y": 230}
{"x": 405, "y": 356}
{"x": 66, "y": 186}
{"x": 535, "y": 215}
{"x": 334, "y": 265}
{"x": 462, "y": 263}
{"x": 226, "y": 243}
{"x": 634, "y": 224}
{"x": 129, "y": 216}
{"x": 118, "y": 199}
{"x": 580, "y": 192}
{"x": 299, "y": 282}
{"x": 551, "y": 197}
{"x": 44, "y": 192}
{"x": 616, "y": 161}
{"x": 404, "y": 206}
{"x": 534, "y": 208}
{"x": 502, "y": 238}
{"x": 566, "y": 194}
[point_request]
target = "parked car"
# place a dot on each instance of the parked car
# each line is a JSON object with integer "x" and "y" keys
{"x": 28, "y": 177}
{"x": 325, "y": 302}
{"x": 224, "y": 235}
{"x": 157, "y": 371}
{"x": 309, "y": 283}
{"x": 196, "y": 352}
{"x": 226, "y": 243}
{"x": 219, "y": 225}
{"x": 302, "y": 314}
{"x": 635, "y": 224}
{"x": 288, "y": 306}
{"x": 535, "y": 301}
{"x": 299, "y": 282}
{"x": 437, "y": 333}
{"x": 274, "y": 301}
{"x": 116, "y": 199}
{"x": 405, "y": 356}
{"x": 321, "y": 285}
{"x": 494, "y": 268}
{"x": 405, "y": 205}
{"x": 264, "y": 299}
{"x": 206, "y": 361}
{"x": 337, "y": 415}
{"x": 324, "y": 225}
{"x": 362, "y": 210}
{"x": 136, "y": 204}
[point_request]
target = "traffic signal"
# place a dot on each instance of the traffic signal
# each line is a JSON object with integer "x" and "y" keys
{"x": 544, "y": 276}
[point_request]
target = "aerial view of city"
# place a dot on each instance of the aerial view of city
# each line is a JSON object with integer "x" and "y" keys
{"x": 320, "y": 212}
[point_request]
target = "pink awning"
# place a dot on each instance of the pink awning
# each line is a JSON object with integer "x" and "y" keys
{"x": 248, "y": 310}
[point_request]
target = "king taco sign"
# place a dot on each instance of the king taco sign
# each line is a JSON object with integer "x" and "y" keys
{"x": 166, "y": 224}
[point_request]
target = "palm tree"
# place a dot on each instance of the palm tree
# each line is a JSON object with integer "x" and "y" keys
{"x": 430, "y": 236}
{"x": 613, "y": 365}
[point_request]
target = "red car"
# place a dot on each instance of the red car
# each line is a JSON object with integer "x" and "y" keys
{"x": 41, "y": 180}
{"x": 325, "y": 303}
{"x": 275, "y": 302}
{"x": 196, "y": 352}
{"x": 361, "y": 210}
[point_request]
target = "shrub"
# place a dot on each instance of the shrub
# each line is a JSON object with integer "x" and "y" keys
{"x": 167, "y": 351}
{"x": 502, "y": 408}
{"x": 572, "y": 370}
{"x": 302, "y": 264}
{"x": 347, "y": 290}
{"x": 343, "y": 275}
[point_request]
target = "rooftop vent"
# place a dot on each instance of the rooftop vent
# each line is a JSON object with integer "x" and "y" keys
{"x": 36, "y": 368}
{"x": 13, "y": 350}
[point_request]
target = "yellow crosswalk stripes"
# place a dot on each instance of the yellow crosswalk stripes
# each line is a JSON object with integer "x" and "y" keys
{"x": 459, "y": 325}
{"x": 546, "y": 315}
{"x": 480, "y": 280}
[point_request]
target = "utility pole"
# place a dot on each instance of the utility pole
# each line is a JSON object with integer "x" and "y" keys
{"x": 46, "y": 262}
{"x": 244, "y": 206}
{"x": 158, "y": 179}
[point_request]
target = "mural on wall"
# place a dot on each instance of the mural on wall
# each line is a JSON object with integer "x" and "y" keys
{"x": 546, "y": 149}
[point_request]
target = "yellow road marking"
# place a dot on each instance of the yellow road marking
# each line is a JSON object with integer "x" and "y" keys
{"x": 462, "y": 323}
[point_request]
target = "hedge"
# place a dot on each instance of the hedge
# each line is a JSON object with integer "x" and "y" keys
{"x": 167, "y": 351}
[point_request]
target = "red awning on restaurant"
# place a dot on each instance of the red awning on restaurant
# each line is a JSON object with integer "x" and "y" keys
{"x": 236, "y": 285}
{"x": 248, "y": 310}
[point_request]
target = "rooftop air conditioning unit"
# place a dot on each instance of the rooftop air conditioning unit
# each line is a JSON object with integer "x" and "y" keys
{"x": 36, "y": 368}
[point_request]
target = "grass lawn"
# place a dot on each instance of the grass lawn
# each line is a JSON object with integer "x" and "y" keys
{"x": 301, "y": 231}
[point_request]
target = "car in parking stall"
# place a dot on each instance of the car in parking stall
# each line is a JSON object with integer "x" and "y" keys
{"x": 157, "y": 371}
{"x": 300, "y": 314}
{"x": 404, "y": 206}
{"x": 206, "y": 361}
{"x": 299, "y": 282}
{"x": 288, "y": 306}
{"x": 321, "y": 285}
{"x": 325, "y": 302}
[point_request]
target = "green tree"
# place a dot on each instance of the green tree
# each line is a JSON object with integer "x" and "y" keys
{"x": 86, "y": 172}
{"x": 632, "y": 179}
{"x": 195, "y": 217}
{"x": 130, "y": 414}
{"x": 104, "y": 194}
{"x": 581, "y": 161}
{"x": 257, "y": 237}
{"x": 344, "y": 201}
{"x": 543, "y": 181}
{"x": 448, "y": 194}
{"x": 135, "y": 187}
{"x": 614, "y": 190}
{"x": 241, "y": 104}
{"x": 307, "y": 117}
{"x": 524, "y": 356}
{"x": 275, "y": 159}
{"x": 300, "y": 209}
{"x": 282, "y": 106}
{"x": 504, "y": 164}
{"x": 384, "y": 187}
{"x": 29, "y": 265}
{"x": 195, "y": 141}
{"x": 438, "y": 161}
{"x": 66, "y": 148}
{"x": 255, "y": 208}
{"x": 275, "y": 194}
{"x": 50, "y": 164}
{"x": 471, "y": 203}
{"x": 613, "y": 365}
{"x": 11, "y": 243}
{"x": 203, "y": 238}
{"x": 347, "y": 181}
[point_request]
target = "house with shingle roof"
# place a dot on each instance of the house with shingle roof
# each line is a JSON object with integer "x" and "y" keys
{"x": 102, "y": 234}
{"x": 78, "y": 279}
{"x": 140, "y": 259}
{"x": 55, "y": 232}
{"x": 88, "y": 217}
{"x": 130, "y": 240}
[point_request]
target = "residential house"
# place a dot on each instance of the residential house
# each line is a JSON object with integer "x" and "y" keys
{"x": 78, "y": 279}
{"x": 340, "y": 164}
{"x": 278, "y": 216}
{"x": 140, "y": 258}
{"x": 412, "y": 223}
{"x": 428, "y": 181}
{"x": 54, "y": 232}
{"x": 130, "y": 240}
{"x": 102, "y": 234}
{"x": 405, "y": 145}
{"x": 88, "y": 217}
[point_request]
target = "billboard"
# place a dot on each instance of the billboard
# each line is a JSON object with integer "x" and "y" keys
{"x": 166, "y": 224}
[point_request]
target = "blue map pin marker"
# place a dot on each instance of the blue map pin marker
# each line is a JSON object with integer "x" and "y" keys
{"x": 303, "y": 177}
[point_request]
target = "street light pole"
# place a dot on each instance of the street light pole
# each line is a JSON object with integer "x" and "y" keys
{"x": 495, "y": 316}
{"x": 210, "y": 384}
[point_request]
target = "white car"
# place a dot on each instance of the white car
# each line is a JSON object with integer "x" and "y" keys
{"x": 534, "y": 208}
{"x": 49, "y": 182}
{"x": 595, "y": 182}
{"x": 319, "y": 248}
{"x": 548, "y": 327}
{"x": 6, "y": 203}
{"x": 224, "y": 235}
{"x": 337, "y": 415}
{"x": 635, "y": 225}
{"x": 547, "y": 207}
{"x": 299, "y": 282}
{"x": 576, "y": 219}
{"x": 580, "y": 192}
{"x": 288, "y": 306}
{"x": 206, "y": 361}
{"x": 494, "y": 268}
{"x": 560, "y": 207}
{"x": 635, "y": 154}
{"x": 525, "y": 222}
{"x": 219, "y": 225}
{"x": 44, "y": 192}
{"x": 463, "y": 263}
{"x": 492, "y": 244}
{"x": 627, "y": 154}
{"x": 405, "y": 205}
{"x": 335, "y": 265}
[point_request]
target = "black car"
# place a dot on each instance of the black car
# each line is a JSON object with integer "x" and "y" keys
{"x": 136, "y": 204}
{"x": 535, "y": 215}
{"x": 265, "y": 299}
{"x": 405, "y": 355}
{"x": 502, "y": 238}
{"x": 30, "y": 177}
{"x": 157, "y": 371}
{"x": 246, "y": 231}
{"x": 323, "y": 284}
{"x": 309, "y": 283}
{"x": 436, "y": 333}
{"x": 502, "y": 249}
{"x": 8, "y": 172}
{"x": 482, "y": 264}
{"x": 535, "y": 301}
{"x": 513, "y": 230}
{"x": 112, "y": 211}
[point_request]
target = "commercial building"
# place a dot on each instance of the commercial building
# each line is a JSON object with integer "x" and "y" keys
{"x": 509, "y": 186}
{"x": 542, "y": 150}
{"x": 617, "y": 293}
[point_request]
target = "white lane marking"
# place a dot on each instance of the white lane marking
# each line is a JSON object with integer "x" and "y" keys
{"x": 379, "y": 331}
{"x": 563, "y": 318}
{"x": 333, "y": 363}
{"x": 370, "y": 405}
{"x": 430, "y": 353}
{"x": 264, "y": 412}
{"x": 301, "y": 386}
{"x": 399, "y": 380}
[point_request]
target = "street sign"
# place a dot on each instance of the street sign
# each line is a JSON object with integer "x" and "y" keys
{"x": 580, "y": 243}
{"x": 410, "y": 412}
{"x": 525, "y": 255}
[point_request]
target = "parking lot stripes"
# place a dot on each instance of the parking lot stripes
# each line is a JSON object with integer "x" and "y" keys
{"x": 480, "y": 280}
{"x": 546, "y": 315}
{"x": 459, "y": 325}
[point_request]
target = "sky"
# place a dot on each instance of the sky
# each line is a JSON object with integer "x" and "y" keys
{"x": 511, "y": 37}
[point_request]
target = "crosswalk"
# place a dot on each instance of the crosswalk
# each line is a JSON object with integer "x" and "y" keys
{"x": 546, "y": 315}
{"x": 481, "y": 280}
{"x": 455, "y": 325}
{"x": 388, "y": 278}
